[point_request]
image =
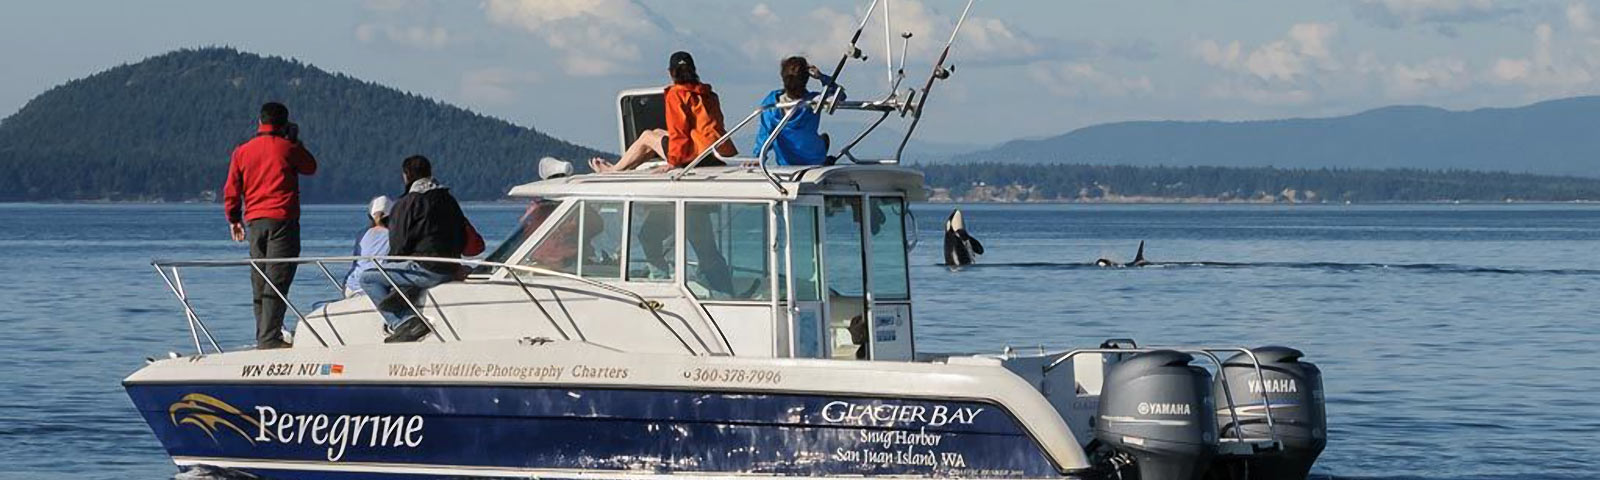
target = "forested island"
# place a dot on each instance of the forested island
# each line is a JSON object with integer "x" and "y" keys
{"x": 1010, "y": 182}
{"x": 162, "y": 129}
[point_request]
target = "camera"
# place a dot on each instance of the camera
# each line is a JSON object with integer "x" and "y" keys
{"x": 291, "y": 132}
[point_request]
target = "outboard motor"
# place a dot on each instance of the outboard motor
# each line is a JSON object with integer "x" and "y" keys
{"x": 1157, "y": 408}
{"x": 1299, "y": 417}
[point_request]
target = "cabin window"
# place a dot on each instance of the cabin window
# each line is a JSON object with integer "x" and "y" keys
{"x": 888, "y": 236}
{"x": 587, "y": 236}
{"x": 805, "y": 250}
{"x": 558, "y": 250}
{"x": 539, "y": 212}
{"x": 726, "y": 251}
{"x": 602, "y": 254}
{"x": 847, "y": 302}
{"x": 652, "y": 244}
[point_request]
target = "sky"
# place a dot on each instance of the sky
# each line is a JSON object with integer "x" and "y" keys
{"x": 1024, "y": 68}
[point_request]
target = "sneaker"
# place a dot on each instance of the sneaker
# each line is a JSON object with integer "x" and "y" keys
{"x": 411, "y": 330}
{"x": 273, "y": 344}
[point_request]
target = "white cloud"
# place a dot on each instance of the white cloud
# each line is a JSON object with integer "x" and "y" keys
{"x": 1073, "y": 79}
{"x": 1548, "y": 70}
{"x": 1431, "y": 77}
{"x": 1303, "y": 67}
{"x": 982, "y": 39}
{"x": 763, "y": 15}
{"x": 495, "y": 85}
{"x": 1578, "y": 17}
{"x": 1304, "y": 51}
{"x": 597, "y": 37}
{"x": 412, "y": 36}
{"x": 1397, "y": 13}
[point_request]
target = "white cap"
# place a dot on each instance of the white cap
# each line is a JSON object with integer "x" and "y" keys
{"x": 380, "y": 204}
{"x": 550, "y": 167}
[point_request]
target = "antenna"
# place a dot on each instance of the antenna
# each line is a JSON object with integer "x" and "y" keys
{"x": 940, "y": 72}
{"x": 888, "y": 45}
{"x": 850, "y": 51}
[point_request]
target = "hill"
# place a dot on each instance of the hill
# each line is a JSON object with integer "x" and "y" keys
{"x": 1555, "y": 137}
{"x": 163, "y": 128}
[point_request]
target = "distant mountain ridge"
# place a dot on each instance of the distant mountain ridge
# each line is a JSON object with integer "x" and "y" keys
{"x": 1558, "y": 137}
{"x": 163, "y": 129}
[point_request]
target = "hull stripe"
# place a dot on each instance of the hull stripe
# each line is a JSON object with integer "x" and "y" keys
{"x": 468, "y": 470}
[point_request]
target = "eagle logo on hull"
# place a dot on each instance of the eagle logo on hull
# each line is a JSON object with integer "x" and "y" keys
{"x": 210, "y": 415}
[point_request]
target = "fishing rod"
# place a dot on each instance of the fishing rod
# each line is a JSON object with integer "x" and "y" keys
{"x": 850, "y": 51}
{"x": 940, "y": 72}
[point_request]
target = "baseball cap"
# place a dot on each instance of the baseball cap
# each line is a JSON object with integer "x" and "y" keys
{"x": 680, "y": 57}
{"x": 380, "y": 204}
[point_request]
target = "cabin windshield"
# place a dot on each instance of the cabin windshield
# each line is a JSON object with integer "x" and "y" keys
{"x": 538, "y": 212}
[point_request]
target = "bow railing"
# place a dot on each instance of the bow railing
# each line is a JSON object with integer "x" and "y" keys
{"x": 170, "y": 271}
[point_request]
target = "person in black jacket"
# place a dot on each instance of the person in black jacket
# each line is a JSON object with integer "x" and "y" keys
{"x": 425, "y": 222}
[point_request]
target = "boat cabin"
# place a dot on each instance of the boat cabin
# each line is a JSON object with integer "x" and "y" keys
{"x": 747, "y": 260}
{"x": 775, "y": 274}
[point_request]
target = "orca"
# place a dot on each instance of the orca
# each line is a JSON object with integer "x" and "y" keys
{"x": 959, "y": 246}
{"x": 1138, "y": 260}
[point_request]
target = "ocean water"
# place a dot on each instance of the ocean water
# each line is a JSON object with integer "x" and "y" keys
{"x": 1458, "y": 342}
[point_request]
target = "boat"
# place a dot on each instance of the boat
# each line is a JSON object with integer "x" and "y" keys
{"x": 728, "y": 322}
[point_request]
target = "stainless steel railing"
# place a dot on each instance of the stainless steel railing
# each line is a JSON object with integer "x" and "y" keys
{"x": 170, "y": 273}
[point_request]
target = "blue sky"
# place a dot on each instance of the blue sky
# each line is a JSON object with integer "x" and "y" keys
{"x": 1026, "y": 68}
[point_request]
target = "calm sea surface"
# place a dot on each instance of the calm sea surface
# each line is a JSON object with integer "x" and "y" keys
{"x": 1457, "y": 341}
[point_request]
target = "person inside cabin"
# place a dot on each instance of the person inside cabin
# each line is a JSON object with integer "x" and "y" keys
{"x": 374, "y": 242}
{"x": 694, "y": 123}
{"x": 425, "y": 222}
{"x": 798, "y": 143}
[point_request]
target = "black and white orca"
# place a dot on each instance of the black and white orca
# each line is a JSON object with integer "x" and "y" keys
{"x": 1138, "y": 260}
{"x": 959, "y": 246}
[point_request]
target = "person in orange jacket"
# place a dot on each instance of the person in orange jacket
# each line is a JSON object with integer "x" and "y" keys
{"x": 694, "y": 122}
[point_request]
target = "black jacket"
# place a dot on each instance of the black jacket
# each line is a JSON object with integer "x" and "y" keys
{"x": 427, "y": 222}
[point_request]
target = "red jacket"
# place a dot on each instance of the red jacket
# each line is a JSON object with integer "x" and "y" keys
{"x": 694, "y": 122}
{"x": 265, "y": 171}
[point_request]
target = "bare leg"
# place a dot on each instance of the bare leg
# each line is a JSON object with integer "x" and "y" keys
{"x": 651, "y": 144}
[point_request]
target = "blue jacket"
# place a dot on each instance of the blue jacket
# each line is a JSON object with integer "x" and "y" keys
{"x": 373, "y": 243}
{"x": 798, "y": 143}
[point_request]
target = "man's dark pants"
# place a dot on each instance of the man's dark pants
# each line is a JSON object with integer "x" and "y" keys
{"x": 272, "y": 238}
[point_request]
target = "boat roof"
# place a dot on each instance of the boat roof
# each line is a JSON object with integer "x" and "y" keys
{"x": 735, "y": 182}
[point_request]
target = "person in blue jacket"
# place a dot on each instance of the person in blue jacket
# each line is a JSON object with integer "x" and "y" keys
{"x": 798, "y": 143}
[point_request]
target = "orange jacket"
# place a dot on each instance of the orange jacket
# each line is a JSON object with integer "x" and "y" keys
{"x": 694, "y": 122}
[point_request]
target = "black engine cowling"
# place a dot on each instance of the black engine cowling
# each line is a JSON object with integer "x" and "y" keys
{"x": 1157, "y": 408}
{"x": 1299, "y": 417}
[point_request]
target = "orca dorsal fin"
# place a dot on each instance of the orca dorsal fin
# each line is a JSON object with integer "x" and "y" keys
{"x": 1138, "y": 258}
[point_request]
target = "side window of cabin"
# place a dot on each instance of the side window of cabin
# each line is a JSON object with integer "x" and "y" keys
{"x": 888, "y": 235}
{"x": 806, "y": 251}
{"x": 726, "y": 251}
{"x": 602, "y": 251}
{"x": 652, "y": 242}
{"x": 847, "y": 325}
{"x": 586, "y": 241}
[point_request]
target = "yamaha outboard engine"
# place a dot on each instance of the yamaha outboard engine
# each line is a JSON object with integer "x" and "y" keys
{"x": 1299, "y": 419}
{"x": 1157, "y": 408}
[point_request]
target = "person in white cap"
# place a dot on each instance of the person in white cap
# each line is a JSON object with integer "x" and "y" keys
{"x": 373, "y": 243}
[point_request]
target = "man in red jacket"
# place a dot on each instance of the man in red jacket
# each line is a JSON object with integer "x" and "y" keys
{"x": 265, "y": 173}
